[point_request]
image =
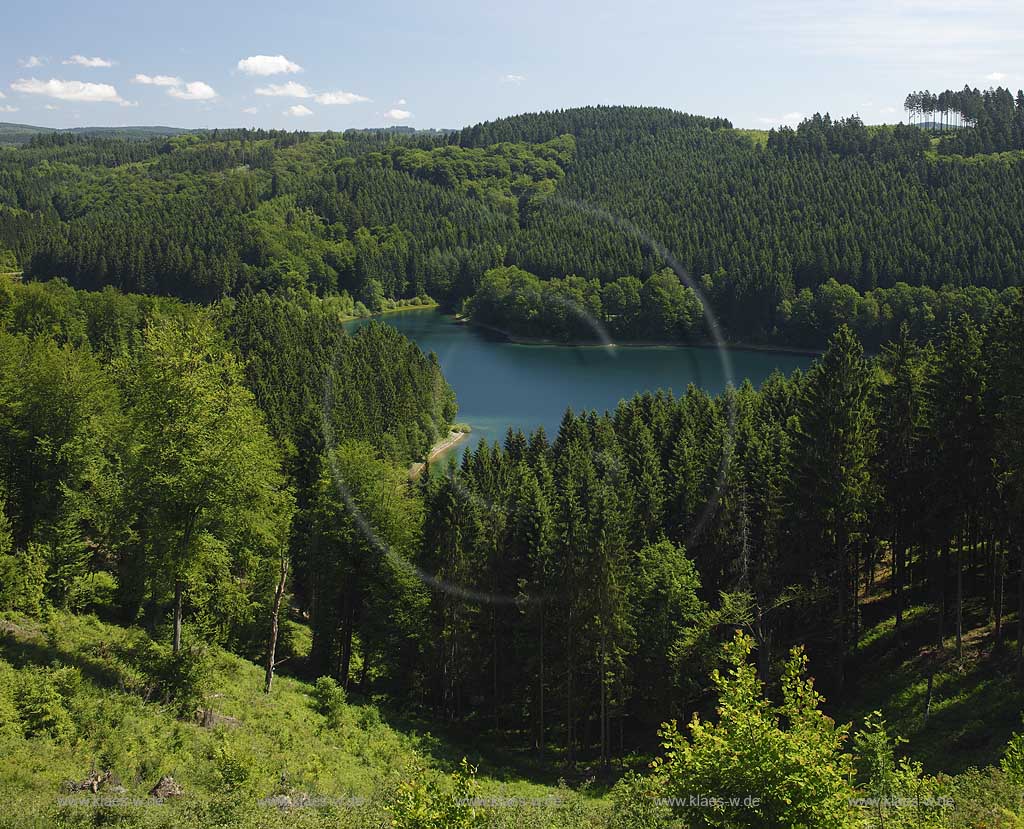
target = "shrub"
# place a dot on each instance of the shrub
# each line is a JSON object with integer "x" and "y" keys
{"x": 10, "y": 722}
{"x": 637, "y": 803}
{"x": 92, "y": 592}
{"x": 181, "y": 680}
{"x": 23, "y": 580}
{"x": 329, "y": 701}
{"x": 418, "y": 802}
{"x": 42, "y": 708}
{"x": 759, "y": 765}
{"x": 1012, "y": 762}
{"x": 235, "y": 771}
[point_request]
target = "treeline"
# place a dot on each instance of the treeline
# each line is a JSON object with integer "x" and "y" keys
{"x": 664, "y": 309}
{"x": 971, "y": 120}
{"x": 161, "y": 460}
{"x": 574, "y": 309}
{"x": 821, "y": 136}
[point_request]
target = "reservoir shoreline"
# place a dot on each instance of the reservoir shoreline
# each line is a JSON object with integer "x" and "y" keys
{"x": 518, "y": 339}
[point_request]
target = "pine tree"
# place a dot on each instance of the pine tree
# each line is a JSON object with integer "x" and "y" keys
{"x": 831, "y": 490}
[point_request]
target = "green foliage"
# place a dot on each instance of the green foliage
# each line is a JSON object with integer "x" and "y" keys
{"x": 329, "y": 700}
{"x": 574, "y": 309}
{"x": 180, "y": 680}
{"x": 10, "y": 721}
{"x": 93, "y": 592}
{"x": 235, "y": 770}
{"x": 1012, "y": 762}
{"x": 41, "y": 697}
{"x": 760, "y": 764}
{"x": 23, "y": 580}
{"x": 638, "y": 802}
{"x": 421, "y": 803}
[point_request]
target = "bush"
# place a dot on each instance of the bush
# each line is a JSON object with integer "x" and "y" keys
{"x": 92, "y": 592}
{"x": 638, "y": 804}
{"x": 418, "y": 802}
{"x": 23, "y": 580}
{"x": 759, "y": 765}
{"x": 235, "y": 771}
{"x": 1012, "y": 762}
{"x": 181, "y": 680}
{"x": 368, "y": 718}
{"x": 10, "y": 722}
{"x": 329, "y": 701}
{"x": 41, "y": 705}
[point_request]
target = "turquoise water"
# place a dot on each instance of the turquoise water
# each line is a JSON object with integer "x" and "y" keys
{"x": 501, "y": 384}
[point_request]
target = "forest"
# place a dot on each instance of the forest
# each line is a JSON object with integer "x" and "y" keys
{"x": 575, "y": 194}
{"x": 228, "y": 476}
{"x": 227, "y": 600}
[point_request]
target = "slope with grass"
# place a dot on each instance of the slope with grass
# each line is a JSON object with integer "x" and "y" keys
{"x": 971, "y": 706}
{"x": 80, "y": 697}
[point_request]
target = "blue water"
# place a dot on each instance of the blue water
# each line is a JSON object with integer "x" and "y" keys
{"x": 501, "y": 384}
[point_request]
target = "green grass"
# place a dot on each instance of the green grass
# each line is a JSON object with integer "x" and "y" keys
{"x": 976, "y": 701}
{"x": 273, "y": 744}
{"x": 759, "y": 138}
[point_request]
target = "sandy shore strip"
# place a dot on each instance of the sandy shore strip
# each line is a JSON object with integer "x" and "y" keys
{"x": 437, "y": 450}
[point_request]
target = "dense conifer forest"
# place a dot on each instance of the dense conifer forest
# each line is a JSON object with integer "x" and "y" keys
{"x": 223, "y": 588}
{"x": 784, "y": 238}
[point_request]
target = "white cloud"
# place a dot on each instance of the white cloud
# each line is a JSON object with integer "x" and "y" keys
{"x": 251, "y": 110}
{"x": 267, "y": 65}
{"x": 339, "y": 97}
{"x": 889, "y": 110}
{"x": 2, "y": 96}
{"x": 31, "y": 62}
{"x": 193, "y": 91}
{"x": 298, "y": 111}
{"x": 69, "y": 90}
{"x": 401, "y": 102}
{"x": 790, "y": 119}
{"x": 51, "y": 107}
{"x": 397, "y": 115}
{"x": 996, "y": 76}
{"x": 291, "y": 89}
{"x": 157, "y": 80}
{"x": 513, "y": 78}
{"x": 88, "y": 63}
{"x": 8, "y": 108}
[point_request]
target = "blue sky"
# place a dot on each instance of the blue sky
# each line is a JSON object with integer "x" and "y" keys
{"x": 332, "y": 65}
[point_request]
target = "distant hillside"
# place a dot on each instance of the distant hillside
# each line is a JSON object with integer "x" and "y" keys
{"x": 15, "y": 134}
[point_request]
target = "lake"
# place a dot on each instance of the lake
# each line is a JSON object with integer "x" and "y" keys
{"x": 501, "y": 384}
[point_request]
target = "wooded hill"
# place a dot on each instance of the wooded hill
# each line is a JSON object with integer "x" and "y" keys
{"x": 600, "y": 193}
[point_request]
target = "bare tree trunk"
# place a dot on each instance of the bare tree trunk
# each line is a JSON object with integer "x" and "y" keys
{"x": 604, "y": 710}
{"x": 898, "y": 564}
{"x": 1000, "y": 586}
{"x": 178, "y": 590}
{"x": 347, "y": 629}
{"x": 1020, "y": 612}
{"x": 541, "y": 712}
{"x": 275, "y": 615}
{"x": 960, "y": 600}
